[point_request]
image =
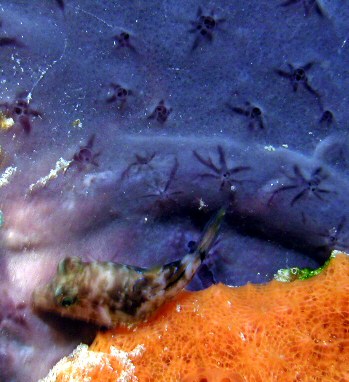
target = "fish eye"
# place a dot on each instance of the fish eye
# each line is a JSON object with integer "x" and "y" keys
{"x": 67, "y": 301}
{"x": 64, "y": 297}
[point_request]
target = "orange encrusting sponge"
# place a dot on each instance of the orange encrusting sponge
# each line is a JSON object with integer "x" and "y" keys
{"x": 296, "y": 331}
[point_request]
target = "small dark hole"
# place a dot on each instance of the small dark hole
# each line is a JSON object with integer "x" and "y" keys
{"x": 256, "y": 112}
{"x": 209, "y": 23}
{"x": 299, "y": 74}
{"x": 327, "y": 116}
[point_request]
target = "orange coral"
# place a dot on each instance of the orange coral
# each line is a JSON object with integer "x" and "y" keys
{"x": 295, "y": 331}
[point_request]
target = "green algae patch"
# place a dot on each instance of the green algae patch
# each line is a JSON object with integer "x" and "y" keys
{"x": 291, "y": 274}
{"x": 1, "y": 218}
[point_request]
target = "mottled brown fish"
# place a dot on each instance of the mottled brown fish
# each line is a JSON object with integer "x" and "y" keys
{"x": 109, "y": 294}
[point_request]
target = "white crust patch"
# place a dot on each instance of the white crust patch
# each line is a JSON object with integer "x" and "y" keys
{"x": 81, "y": 361}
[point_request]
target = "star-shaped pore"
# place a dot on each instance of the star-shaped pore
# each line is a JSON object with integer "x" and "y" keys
{"x": 161, "y": 112}
{"x": 252, "y": 113}
{"x": 141, "y": 162}
{"x": 20, "y": 111}
{"x": 86, "y": 156}
{"x": 298, "y": 76}
{"x": 123, "y": 40}
{"x": 118, "y": 94}
{"x": 306, "y": 186}
{"x": 203, "y": 26}
{"x": 221, "y": 171}
{"x": 162, "y": 187}
{"x": 162, "y": 193}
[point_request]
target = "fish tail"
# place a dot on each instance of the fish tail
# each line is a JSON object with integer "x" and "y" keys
{"x": 209, "y": 235}
{"x": 177, "y": 274}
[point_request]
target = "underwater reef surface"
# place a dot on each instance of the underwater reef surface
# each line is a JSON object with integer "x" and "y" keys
{"x": 124, "y": 127}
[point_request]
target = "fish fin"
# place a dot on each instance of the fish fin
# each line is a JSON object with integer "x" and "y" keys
{"x": 206, "y": 276}
{"x": 179, "y": 273}
{"x": 210, "y": 233}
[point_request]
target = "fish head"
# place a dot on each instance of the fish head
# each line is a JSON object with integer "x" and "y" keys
{"x": 63, "y": 290}
{"x": 75, "y": 292}
{"x": 64, "y": 293}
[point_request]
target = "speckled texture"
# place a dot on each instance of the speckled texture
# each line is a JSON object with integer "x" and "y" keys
{"x": 152, "y": 128}
{"x": 111, "y": 294}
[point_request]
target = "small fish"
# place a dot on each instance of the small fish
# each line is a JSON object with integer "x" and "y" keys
{"x": 109, "y": 294}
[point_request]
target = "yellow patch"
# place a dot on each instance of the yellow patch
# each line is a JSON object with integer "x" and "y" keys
{"x": 6, "y": 122}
